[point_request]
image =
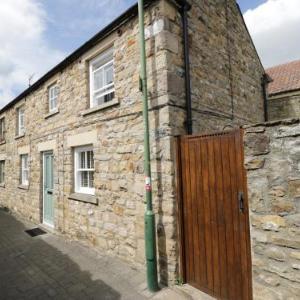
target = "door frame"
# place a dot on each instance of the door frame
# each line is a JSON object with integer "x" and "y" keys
{"x": 43, "y": 188}
{"x": 180, "y": 221}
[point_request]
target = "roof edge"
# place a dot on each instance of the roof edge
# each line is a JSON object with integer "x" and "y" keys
{"x": 245, "y": 25}
{"x": 284, "y": 92}
{"x": 114, "y": 25}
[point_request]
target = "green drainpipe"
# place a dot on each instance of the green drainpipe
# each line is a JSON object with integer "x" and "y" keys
{"x": 150, "y": 242}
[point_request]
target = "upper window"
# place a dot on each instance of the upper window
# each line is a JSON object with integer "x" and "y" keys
{"x": 24, "y": 170}
{"x": 52, "y": 97}
{"x": 2, "y": 174}
{"x": 2, "y": 130}
{"x": 20, "y": 121}
{"x": 84, "y": 170}
{"x": 102, "y": 88}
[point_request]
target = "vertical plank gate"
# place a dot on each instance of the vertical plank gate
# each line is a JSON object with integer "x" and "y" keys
{"x": 213, "y": 213}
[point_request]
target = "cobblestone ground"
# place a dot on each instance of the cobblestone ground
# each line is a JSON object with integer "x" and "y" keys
{"x": 49, "y": 267}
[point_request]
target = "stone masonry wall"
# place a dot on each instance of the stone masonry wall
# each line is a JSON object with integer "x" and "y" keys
{"x": 226, "y": 71}
{"x": 116, "y": 224}
{"x": 284, "y": 106}
{"x": 272, "y": 160}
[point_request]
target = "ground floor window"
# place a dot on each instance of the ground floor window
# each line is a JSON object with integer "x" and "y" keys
{"x": 84, "y": 170}
{"x": 2, "y": 172}
{"x": 24, "y": 170}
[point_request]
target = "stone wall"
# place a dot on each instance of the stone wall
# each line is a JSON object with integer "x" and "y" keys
{"x": 272, "y": 160}
{"x": 225, "y": 69}
{"x": 284, "y": 106}
{"x": 116, "y": 224}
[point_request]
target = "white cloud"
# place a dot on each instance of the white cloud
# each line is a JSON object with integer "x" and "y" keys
{"x": 275, "y": 29}
{"x": 24, "y": 49}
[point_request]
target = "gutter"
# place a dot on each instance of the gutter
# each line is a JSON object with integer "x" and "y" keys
{"x": 189, "y": 119}
{"x": 266, "y": 79}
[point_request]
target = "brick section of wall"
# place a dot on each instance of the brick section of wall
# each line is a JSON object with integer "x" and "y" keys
{"x": 284, "y": 107}
{"x": 272, "y": 160}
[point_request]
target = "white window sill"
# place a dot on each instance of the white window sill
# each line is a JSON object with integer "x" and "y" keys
{"x": 19, "y": 136}
{"x": 2, "y": 142}
{"x": 52, "y": 113}
{"x": 84, "y": 198}
{"x": 92, "y": 110}
{"x": 2, "y": 185}
{"x": 23, "y": 187}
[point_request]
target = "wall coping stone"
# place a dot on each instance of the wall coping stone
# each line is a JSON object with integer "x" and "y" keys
{"x": 84, "y": 198}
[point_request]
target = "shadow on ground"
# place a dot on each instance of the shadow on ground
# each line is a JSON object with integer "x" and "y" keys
{"x": 30, "y": 268}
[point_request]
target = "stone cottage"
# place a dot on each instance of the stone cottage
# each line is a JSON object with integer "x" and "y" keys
{"x": 71, "y": 145}
{"x": 284, "y": 91}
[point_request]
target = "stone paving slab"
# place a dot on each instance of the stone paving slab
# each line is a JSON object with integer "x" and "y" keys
{"x": 51, "y": 267}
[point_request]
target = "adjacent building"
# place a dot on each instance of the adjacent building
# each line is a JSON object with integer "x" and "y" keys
{"x": 284, "y": 91}
{"x": 71, "y": 145}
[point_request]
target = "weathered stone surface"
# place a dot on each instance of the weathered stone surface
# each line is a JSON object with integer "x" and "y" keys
{"x": 288, "y": 241}
{"x": 273, "y": 202}
{"x": 257, "y": 144}
{"x": 272, "y": 223}
{"x": 294, "y": 220}
{"x": 285, "y": 106}
{"x": 255, "y": 164}
{"x": 294, "y": 188}
{"x": 269, "y": 279}
{"x": 295, "y": 255}
{"x": 275, "y": 253}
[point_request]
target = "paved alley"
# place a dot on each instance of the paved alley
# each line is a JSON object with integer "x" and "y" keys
{"x": 49, "y": 267}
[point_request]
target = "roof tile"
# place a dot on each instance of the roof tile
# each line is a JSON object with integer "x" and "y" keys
{"x": 285, "y": 77}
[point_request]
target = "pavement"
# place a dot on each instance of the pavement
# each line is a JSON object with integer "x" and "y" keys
{"x": 51, "y": 267}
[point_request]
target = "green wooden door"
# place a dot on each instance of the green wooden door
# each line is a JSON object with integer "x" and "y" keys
{"x": 48, "y": 207}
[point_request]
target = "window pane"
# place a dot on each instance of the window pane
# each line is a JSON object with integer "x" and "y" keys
{"x": 98, "y": 100}
{"x": 84, "y": 179}
{"x": 1, "y": 171}
{"x": 1, "y": 129}
{"x": 90, "y": 160}
{"x": 98, "y": 79}
{"x": 109, "y": 73}
{"x": 82, "y": 160}
{"x": 91, "y": 179}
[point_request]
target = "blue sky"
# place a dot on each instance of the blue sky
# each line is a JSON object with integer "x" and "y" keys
{"x": 37, "y": 34}
{"x": 71, "y": 23}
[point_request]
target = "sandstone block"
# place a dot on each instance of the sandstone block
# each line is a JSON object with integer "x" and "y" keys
{"x": 255, "y": 163}
{"x": 275, "y": 253}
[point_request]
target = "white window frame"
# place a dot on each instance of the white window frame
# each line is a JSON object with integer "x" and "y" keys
{"x": 2, "y": 129}
{"x": 2, "y": 171}
{"x": 53, "y": 92}
{"x": 78, "y": 170}
{"x": 24, "y": 172}
{"x": 107, "y": 89}
{"x": 21, "y": 120}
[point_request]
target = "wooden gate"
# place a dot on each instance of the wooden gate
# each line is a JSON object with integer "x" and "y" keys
{"x": 213, "y": 215}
